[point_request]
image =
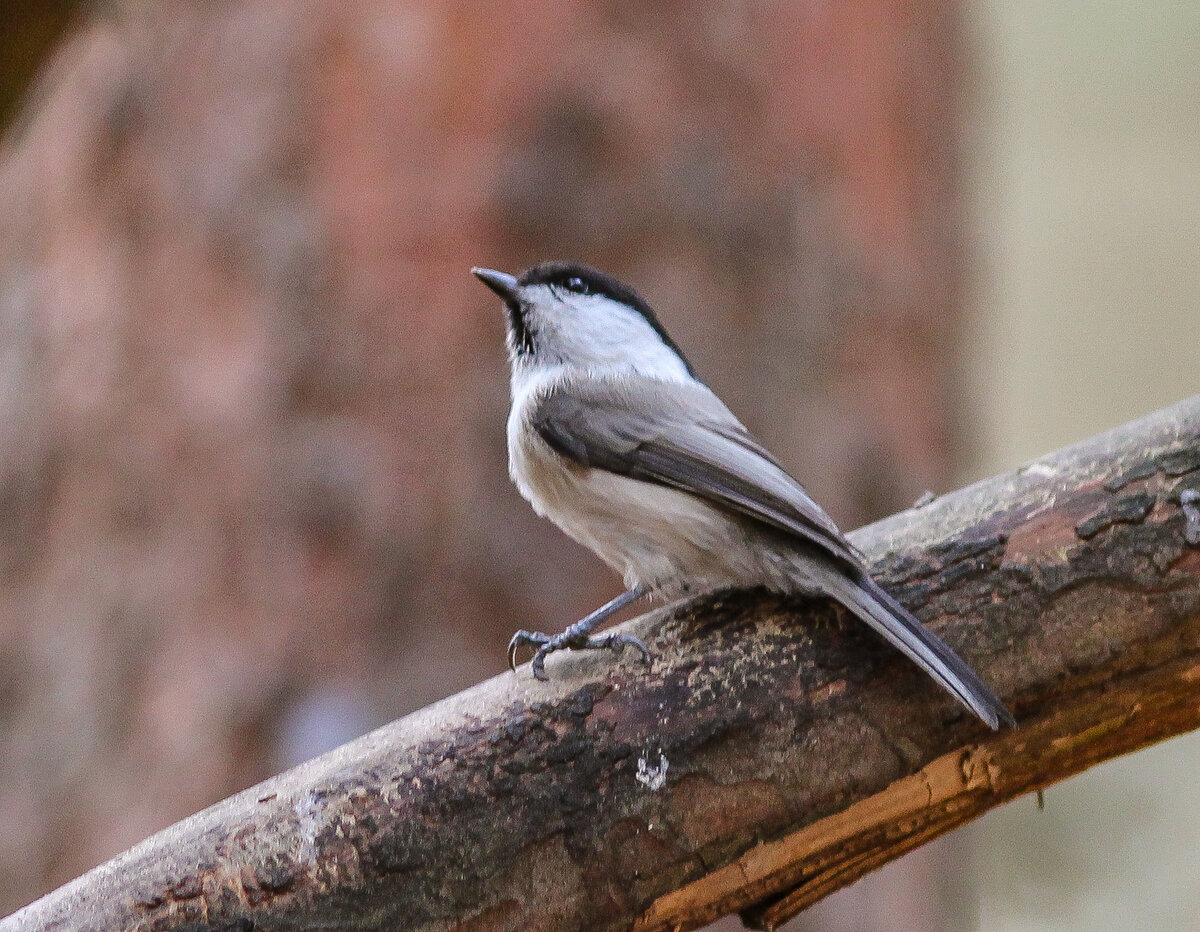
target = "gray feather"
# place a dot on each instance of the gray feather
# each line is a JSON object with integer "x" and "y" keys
{"x": 871, "y": 603}
{"x": 685, "y": 438}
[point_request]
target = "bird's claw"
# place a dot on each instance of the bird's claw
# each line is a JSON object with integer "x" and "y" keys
{"x": 525, "y": 638}
{"x": 620, "y": 642}
{"x": 545, "y": 645}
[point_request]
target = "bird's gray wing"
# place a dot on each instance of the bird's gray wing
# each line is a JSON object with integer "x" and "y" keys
{"x": 682, "y": 436}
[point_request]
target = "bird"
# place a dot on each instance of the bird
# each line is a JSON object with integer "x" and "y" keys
{"x": 613, "y": 437}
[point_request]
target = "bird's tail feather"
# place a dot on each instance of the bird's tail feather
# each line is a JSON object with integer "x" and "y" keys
{"x": 868, "y": 600}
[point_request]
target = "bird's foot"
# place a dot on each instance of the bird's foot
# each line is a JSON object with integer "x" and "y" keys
{"x": 545, "y": 644}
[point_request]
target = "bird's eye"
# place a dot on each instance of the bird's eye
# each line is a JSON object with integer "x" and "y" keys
{"x": 576, "y": 284}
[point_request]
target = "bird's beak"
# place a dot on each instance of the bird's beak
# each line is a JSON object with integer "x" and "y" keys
{"x": 502, "y": 283}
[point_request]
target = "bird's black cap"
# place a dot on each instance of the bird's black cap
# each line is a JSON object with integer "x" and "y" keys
{"x": 583, "y": 279}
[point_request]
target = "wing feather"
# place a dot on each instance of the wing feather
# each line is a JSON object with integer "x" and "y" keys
{"x": 685, "y": 438}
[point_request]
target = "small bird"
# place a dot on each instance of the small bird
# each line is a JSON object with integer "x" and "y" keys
{"x": 613, "y": 438}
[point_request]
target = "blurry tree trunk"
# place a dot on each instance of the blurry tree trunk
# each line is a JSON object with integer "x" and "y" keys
{"x": 770, "y": 756}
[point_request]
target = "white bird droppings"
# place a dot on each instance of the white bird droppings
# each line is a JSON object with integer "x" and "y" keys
{"x": 652, "y": 776}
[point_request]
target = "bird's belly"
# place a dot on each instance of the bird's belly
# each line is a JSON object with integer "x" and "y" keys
{"x": 656, "y": 536}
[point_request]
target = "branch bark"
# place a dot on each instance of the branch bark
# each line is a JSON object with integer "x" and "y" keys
{"x": 772, "y": 754}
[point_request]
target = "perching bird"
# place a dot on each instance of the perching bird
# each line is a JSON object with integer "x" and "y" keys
{"x": 613, "y": 438}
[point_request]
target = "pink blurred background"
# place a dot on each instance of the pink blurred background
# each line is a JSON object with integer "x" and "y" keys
{"x": 253, "y": 491}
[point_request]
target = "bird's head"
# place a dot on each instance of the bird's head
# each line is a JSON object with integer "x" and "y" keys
{"x": 568, "y": 314}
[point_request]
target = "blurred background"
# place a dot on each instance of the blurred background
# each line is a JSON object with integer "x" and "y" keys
{"x": 253, "y": 492}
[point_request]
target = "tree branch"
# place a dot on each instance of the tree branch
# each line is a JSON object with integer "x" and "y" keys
{"x": 773, "y": 753}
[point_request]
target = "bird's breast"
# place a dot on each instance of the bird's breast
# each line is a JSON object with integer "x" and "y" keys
{"x": 653, "y": 535}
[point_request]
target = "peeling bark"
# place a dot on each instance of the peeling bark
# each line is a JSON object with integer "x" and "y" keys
{"x": 774, "y": 752}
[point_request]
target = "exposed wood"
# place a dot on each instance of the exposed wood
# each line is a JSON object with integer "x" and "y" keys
{"x": 773, "y": 752}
